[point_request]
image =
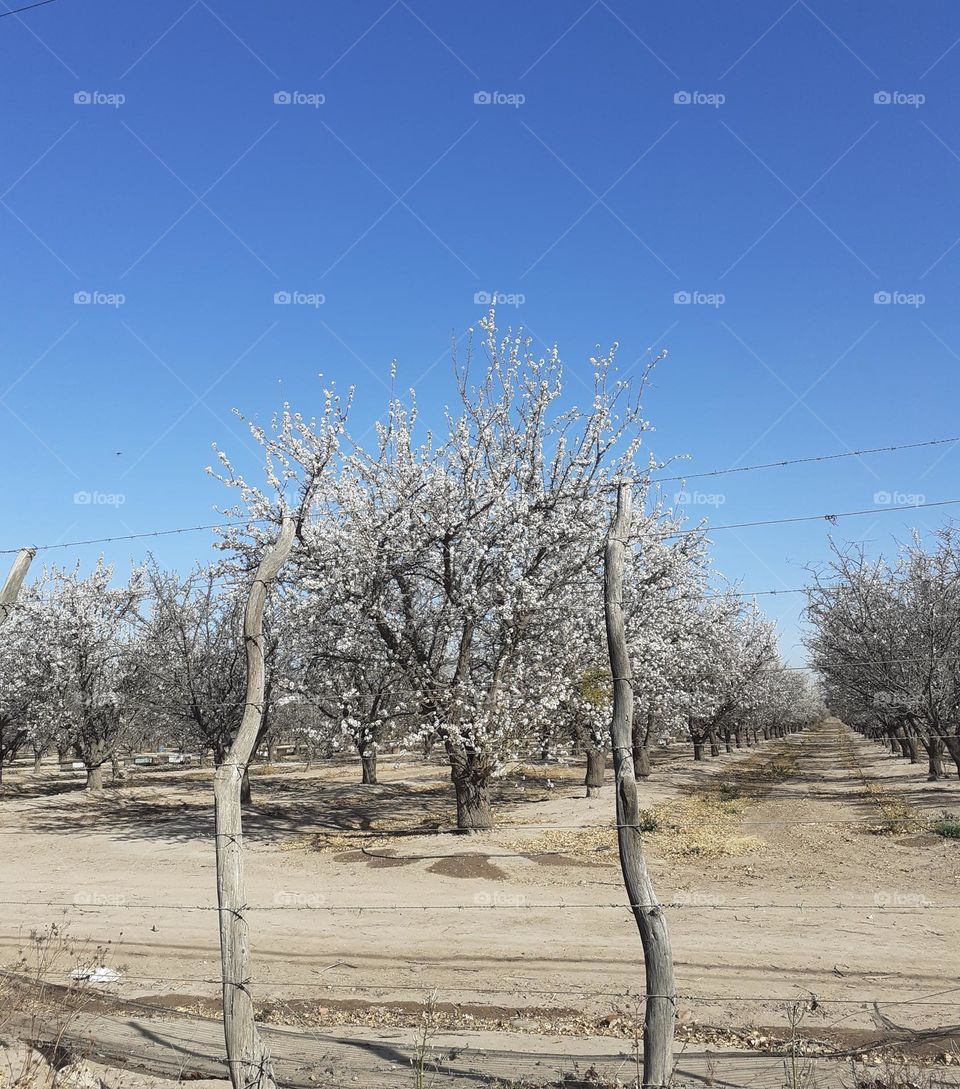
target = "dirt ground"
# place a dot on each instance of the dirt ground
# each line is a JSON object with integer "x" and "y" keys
{"x": 779, "y": 888}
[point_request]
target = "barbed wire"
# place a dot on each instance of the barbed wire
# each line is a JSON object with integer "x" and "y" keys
{"x": 782, "y": 463}
{"x": 429, "y": 988}
{"x": 490, "y": 903}
{"x": 801, "y": 461}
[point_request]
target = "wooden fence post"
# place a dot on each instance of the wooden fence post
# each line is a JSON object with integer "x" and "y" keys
{"x": 11, "y": 588}
{"x": 660, "y": 1008}
{"x": 247, "y": 1055}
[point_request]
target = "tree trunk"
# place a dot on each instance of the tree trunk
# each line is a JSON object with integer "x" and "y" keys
{"x": 596, "y": 769}
{"x": 934, "y": 749}
{"x": 935, "y": 763}
{"x": 368, "y": 760}
{"x": 641, "y": 762}
{"x": 698, "y": 748}
{"x": 660, "y": 1008}
{"x": 95, "y": 777}
{"x": 912, "y": 752}
{"x": 249, "y": 1061}
{"x": 727, "y": 742}
{"x": 952, "y": 741}
{"x": 37, "y": 762}
{"x": 714, "y": 747}
{"x": 473, "y": 802}
{"x": 246, "y": 793}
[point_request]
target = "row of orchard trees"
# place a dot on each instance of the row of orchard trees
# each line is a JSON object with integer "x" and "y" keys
{"x": 886, "y": 641}
{"x": 444, "y": 595}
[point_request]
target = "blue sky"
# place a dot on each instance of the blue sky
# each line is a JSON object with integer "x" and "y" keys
{"x": 147, "y": 165}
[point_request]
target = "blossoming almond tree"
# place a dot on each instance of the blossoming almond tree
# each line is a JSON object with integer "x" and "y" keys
{"x": 89, "y": 630}
{"x": 478, "y": 536}
{"x": 452, "y": 547}
{"x": 723, "y": 655}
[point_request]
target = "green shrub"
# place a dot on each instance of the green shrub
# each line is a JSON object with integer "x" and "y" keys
{"x": 947, "y": 826}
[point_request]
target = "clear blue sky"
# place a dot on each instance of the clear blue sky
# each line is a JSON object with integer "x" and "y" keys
{"x": 796, "y": 197}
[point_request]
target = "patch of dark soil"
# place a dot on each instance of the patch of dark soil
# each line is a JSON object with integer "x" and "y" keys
{"x": 468, "y": 866}
{"x": 560, "y": 860}
{"x": 383, "y": 859}
{"x": 924, "y": 839}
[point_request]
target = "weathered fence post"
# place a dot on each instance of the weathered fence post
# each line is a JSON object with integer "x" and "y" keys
{"x": 11, "y": 588}
{"x": 247, "y": 1055}
{"x": 660, "y": 1009}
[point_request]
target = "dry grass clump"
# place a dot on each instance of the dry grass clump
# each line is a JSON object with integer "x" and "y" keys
{"x": 598, "y": 842}
{"x": 703, "y": 825}
{"x": 700, "y": 826}
{"x": 896, "y": 817}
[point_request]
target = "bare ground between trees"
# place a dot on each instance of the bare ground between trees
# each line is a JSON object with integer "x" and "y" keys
{"x": 793, "y": 895}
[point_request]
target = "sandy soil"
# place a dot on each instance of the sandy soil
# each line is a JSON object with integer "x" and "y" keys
{"x": 792, "y": 893}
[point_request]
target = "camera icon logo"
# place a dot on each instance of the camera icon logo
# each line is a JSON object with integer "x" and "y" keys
{"x": 282, "y": 298}
{"x": 682, "y": 98}
{"x": 482, "y": 98}
{"x": 282, "y": 98}
{"x": 82, "y": 98}
{"x": 882, "y": 98}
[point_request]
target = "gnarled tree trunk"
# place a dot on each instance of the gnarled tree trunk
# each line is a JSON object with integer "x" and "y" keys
{"x": 596, "y": 769}
{"x": 473, "y": 800}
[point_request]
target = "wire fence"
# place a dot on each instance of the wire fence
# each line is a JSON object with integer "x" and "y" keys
{"x": 385, "y": 1056}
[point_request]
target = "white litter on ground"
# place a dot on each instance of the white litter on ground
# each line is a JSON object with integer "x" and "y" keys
{"x": 96, "y": 975}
